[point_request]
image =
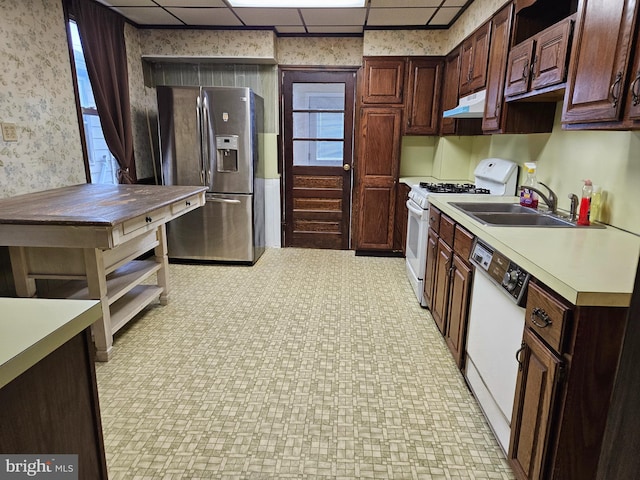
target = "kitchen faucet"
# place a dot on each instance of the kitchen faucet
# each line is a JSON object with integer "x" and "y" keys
{"x": 551, "y": 200}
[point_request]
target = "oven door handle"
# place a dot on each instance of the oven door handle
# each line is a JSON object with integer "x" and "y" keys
{"x": 413, "y": 209}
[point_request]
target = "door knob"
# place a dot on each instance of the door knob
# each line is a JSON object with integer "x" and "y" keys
{"x": 346, "y": 167}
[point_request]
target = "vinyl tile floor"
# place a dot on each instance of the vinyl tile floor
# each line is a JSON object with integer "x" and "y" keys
{"x": 311, "y": 364}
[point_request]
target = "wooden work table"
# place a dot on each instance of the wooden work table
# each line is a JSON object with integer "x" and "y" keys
{"x": 89, "y": 237}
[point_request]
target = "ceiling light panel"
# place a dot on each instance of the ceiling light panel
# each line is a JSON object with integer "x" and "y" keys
{"x": 320, "y": 16}
{"x": 221, "y": 17}
{"x": 298, "y": 3}
{"x": 379, "y": 17}
{"x": 269, "y": 16}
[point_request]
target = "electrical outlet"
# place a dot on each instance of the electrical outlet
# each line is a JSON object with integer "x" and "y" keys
{"x": 9, "y": 132}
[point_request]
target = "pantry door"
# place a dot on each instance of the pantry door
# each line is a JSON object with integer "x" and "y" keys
{"x": 317, "y": 113}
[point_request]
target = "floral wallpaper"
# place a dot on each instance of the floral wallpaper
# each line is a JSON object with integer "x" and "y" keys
{"x": 405, "y": 42}
{"x": 334, "y": 51}
{"x": 143, "y": 109}
{"x": 208, "y": 43}
{"x": 474, "y": 16}
{"x": 36, "y": 94}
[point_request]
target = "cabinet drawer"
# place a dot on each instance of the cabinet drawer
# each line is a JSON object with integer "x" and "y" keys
{"x": 547, "y": 316}
{"x": 182, "y": 205}
{"x": 151, "y": 218}
{"x": 434, "y": 219}
{"x": 462, "y": 242}
{"x": 447, "y": 227}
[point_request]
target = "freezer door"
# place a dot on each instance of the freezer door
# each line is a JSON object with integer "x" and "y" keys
{"x": 222, "y": 230}
{"x": 229, "y": 125}
{"x": 180, "y": 124}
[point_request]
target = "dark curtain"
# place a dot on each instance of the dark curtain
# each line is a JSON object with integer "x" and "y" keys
{"x": 102, "y": 36}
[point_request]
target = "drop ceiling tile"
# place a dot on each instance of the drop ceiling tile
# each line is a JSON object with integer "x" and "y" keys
{"x": 329, "y": 16}
{"x": 444, "y": 16}
{"x": 406, "y": 3}
{"x": 128, "y": 3}
{"x": 290, "y": 29}
{"x": 268, "y": 16}
{"x": 455, "y": 3}
{"x": 332, "y": 29}
{"x": 206, "y": 16}
{"x": 148, "y": 15}
{"x": 190, "y": 3}
{"x": 399, "y": 16}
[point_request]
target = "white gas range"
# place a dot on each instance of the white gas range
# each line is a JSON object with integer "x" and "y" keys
{"x": 493, "y": 176}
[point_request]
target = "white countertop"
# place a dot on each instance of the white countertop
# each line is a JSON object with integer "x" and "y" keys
{"x": 32, "y": 328}
{"x": 587, "y": 266}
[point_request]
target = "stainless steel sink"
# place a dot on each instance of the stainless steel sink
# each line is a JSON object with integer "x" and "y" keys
{"x": 494, "y": 207}
{"x": 522, "y": 220}
{"x": 513, "y": 215}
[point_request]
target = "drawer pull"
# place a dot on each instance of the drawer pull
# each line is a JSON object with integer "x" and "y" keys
{"x": 188, "y": 203}
{"x": 520, "y": 350}
{"x": 542, "y": 315}
{"x": 148, "y": 219}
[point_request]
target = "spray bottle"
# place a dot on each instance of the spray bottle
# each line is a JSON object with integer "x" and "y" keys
{"x": 529, "y": 198}
{"x": 585, "y": 203}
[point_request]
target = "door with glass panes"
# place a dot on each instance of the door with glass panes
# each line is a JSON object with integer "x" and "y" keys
{"x": 317, "y": 112}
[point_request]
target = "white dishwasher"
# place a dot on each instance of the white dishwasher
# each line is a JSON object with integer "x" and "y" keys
{"x": 496, "y": 324}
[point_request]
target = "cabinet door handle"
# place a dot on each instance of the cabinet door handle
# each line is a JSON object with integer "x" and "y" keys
{"x": 525, "y": 71}
{"x": 612, "y": 91}
{"x": 542, "y": 315}
{"x": 533, "y": 68}
{"x": 634, "y": 92}
{"x": 148, "y": 219}
{"x": 520, "y": 350}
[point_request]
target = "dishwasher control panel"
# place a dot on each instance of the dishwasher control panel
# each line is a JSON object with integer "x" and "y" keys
{"x": 503, "y": 272}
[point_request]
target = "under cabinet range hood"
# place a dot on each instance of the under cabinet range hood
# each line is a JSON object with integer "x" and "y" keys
{"x": 471, "y": 106}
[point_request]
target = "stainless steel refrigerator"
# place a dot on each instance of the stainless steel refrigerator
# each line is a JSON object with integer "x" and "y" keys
{"x": 209, "y": 136}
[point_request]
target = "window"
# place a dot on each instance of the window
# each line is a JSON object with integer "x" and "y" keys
{"x": 318, "y": 124}
{"x": 103, "y": 167}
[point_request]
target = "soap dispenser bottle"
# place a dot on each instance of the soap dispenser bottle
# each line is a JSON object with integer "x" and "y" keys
{"x": 585, "y": 203}
{"x": 528, "y": 197}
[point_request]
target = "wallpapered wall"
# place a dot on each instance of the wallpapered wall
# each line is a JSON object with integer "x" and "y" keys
{"x": 36, "y": 93}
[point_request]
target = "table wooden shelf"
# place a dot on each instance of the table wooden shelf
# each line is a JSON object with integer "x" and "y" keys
{"x": 89, "y": 237}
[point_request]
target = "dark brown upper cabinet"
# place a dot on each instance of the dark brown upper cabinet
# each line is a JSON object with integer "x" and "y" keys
{"x": 383, "y": 80}
{"x": 422, "y": 106}
{"x": 474, "y": 60}
{"x": 598, "y": 78}
{"x": 455, "y": 126}
{"x": 539, "y": 64}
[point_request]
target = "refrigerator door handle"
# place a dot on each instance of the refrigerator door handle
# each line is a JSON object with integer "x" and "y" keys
{"x": 222, "y": 200}
{"x": 200, "y": 133}
{"x": 205, "y": 142}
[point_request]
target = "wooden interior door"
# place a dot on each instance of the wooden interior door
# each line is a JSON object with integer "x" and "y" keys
{"x": 317, "y": 112}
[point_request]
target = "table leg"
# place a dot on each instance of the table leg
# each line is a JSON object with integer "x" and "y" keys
{"x": 25, "y": 286}
{"x": 163, "y": 259}
{"x": 97, "y": 284}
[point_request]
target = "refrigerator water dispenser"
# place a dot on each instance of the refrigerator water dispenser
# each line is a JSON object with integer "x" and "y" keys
{"x": 227, "y": 153}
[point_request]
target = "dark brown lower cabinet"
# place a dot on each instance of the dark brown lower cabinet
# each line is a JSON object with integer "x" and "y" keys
{"x": 444, "y": 256}
{"x": 459, "y": 292}
{"x": 533, "y": 405}
{"x": 568, "y": 362}
{"x": 52, "y": 408}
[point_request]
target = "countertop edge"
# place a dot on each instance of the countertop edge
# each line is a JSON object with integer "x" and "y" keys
{"x": 577, "y": 296}
{"x": 48, "y": 343}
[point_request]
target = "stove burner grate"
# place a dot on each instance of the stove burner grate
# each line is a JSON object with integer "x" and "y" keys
{"x": 454, "y": 188}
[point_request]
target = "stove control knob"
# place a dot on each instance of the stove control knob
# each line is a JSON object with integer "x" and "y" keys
{"x": 510, "y": 280}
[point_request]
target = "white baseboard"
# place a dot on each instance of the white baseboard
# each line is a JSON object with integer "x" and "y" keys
{"x": 272, "y": 212}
